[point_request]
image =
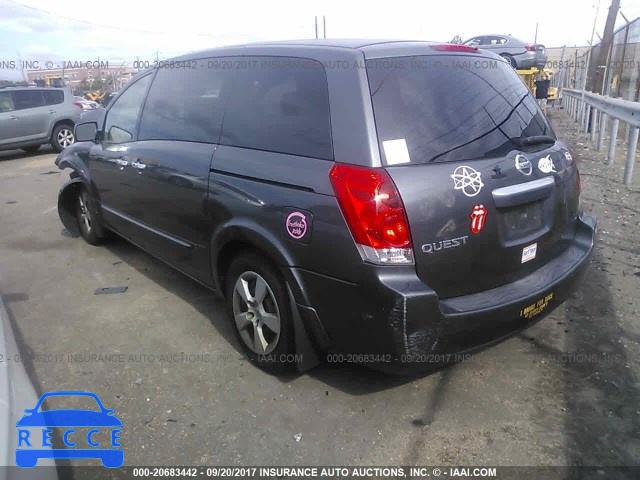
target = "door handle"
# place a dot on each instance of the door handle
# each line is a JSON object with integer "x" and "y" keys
{"x": 122, "y": 162}
{"x": 514, "y": 195}
{"x": 138, "y": 165}
{"x": 13, "y": 117}
{"x": 51, "y": 112}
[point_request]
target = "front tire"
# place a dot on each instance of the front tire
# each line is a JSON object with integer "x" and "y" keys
{"x": 258, "y": 304}
{"x": 62, "y": 137}
{"x": 85, "y": 215}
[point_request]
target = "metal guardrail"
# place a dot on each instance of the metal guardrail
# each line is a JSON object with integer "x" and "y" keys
{"x": 591, "y": 111}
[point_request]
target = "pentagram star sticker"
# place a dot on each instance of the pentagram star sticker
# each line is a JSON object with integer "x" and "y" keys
{"x": 468, "y": 180}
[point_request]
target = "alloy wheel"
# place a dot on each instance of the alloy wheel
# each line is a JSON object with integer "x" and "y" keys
{"x": 65, "y": 137}
{"x": 256, "y": 313}
{"x": 84, "y": 213}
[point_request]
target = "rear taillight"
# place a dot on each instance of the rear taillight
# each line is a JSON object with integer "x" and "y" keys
{"x": 374, "y": 212}
{"x": 79, "y": 105}
{"x": 452, "y": 47}
{"x": 530, "y": 48}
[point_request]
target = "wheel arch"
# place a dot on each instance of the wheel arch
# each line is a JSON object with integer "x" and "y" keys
{"x": 63, "y": 121}
{"x": 240, "y": 235}
{"x": 80, "y": 178}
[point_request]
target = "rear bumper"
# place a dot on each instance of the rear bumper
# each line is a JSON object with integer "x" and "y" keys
{"x": 392, "y": 320}
{"x": 531, "y": 59}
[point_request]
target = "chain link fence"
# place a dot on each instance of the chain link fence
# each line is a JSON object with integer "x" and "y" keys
{"x": 621, "y": 72}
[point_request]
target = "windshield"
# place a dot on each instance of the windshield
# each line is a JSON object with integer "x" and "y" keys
{"x": 452, "y": 108}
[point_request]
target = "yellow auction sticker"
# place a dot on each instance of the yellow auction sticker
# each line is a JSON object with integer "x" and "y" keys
{"x": 537, "y": 307}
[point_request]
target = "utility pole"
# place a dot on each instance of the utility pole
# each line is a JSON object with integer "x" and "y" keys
{"x": 535, "y": 38}
{"x": 586, "y": 67}
{"x": 324, "y": 27}
{"x": 605, "y": 45}
{"x": 316, "y": 23}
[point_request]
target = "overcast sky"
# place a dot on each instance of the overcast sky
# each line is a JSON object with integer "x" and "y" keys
{"x": 121, "y": 30}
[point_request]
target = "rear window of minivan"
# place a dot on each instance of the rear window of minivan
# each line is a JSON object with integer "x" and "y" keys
{"x": 446, "y": 108}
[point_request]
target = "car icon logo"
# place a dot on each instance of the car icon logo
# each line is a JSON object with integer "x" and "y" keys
{"x": 29, "y": 451}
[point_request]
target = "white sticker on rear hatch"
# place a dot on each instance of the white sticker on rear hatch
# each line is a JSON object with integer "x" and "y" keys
{"x": 529, "y": 253}
{"x": 396, "y": 151}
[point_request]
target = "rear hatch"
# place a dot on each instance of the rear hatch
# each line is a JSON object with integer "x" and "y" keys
{"x": 489, "y": 193}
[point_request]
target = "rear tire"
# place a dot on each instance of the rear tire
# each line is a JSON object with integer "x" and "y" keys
{"x": 62, "y": 137}
{"x": 259, "y": 310}
{"x": 31, "y": 148}
{"x": 86, "y": 217}
{"x": 509, "y": 59}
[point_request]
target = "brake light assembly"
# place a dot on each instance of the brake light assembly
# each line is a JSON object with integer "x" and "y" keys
{"x": 374, "y": 212}
{"x": 529, "y": 47}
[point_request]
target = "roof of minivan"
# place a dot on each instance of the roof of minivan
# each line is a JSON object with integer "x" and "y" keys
{"x": 371, "y": 48}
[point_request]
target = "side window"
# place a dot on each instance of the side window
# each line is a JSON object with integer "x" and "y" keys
{"x": 473, "y": 41}
{"x": 279, "y": 104}
{"x": 122, "y": 117}
{"x": 27, "y": 99}
{"x": 185, "y": 104}
{"x": 6, "y": 102}
{"x": 53, "y": 97}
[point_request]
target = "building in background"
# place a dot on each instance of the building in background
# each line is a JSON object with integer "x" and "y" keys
{"x": 83, "y": 79}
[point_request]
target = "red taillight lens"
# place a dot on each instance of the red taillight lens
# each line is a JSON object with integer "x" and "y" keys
{"x": 530, "y": 48}
{"x": 374, "y": 212}
{"x": 79, "y": 105}
{"x": 452, "y": 47}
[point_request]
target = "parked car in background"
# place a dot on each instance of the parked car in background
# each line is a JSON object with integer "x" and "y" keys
{"x": 395, "y": 214}
{"x": 85, "y": 104}
{"x": 31, "y": 117}
{"x": 519, "y": 54}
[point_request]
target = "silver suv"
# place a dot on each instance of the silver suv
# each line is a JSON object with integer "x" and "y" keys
{"x": 30, "y": 117}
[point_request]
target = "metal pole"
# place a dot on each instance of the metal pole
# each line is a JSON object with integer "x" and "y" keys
{"x": 603, "y": 128}
{"x": 316, "y": 23}
{"x": 585, "y": 117}
{"x": 594, "y": 122}
{"x": 612, "y": 141}
{"x": 631, "y": 155}
{"x": 586, "y": 69}
{"x": 324, "y": 27}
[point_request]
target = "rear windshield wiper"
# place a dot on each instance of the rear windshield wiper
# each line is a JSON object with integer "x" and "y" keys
{"x": 535, "y": 140}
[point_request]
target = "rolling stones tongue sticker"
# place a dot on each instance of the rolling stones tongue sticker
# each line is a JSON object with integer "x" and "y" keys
{"x": 298, "y": 224}
{"x": 478, "y": 218}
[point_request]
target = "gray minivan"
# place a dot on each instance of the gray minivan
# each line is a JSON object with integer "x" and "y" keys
{"x": 397, "y": 204}
{"x": 31, "y": 117}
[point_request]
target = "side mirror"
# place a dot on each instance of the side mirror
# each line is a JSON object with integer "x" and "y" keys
{"x": 86, "y": 132}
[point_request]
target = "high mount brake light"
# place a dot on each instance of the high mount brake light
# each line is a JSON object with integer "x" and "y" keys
{"x": 451, "y": 47}
{"x": 375, "y": 215}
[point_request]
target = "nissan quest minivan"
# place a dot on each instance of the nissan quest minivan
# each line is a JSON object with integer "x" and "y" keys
{"x": 393, "y": 203}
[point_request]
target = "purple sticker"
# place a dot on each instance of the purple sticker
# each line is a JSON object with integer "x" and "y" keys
{"x": 296, "y": 225}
